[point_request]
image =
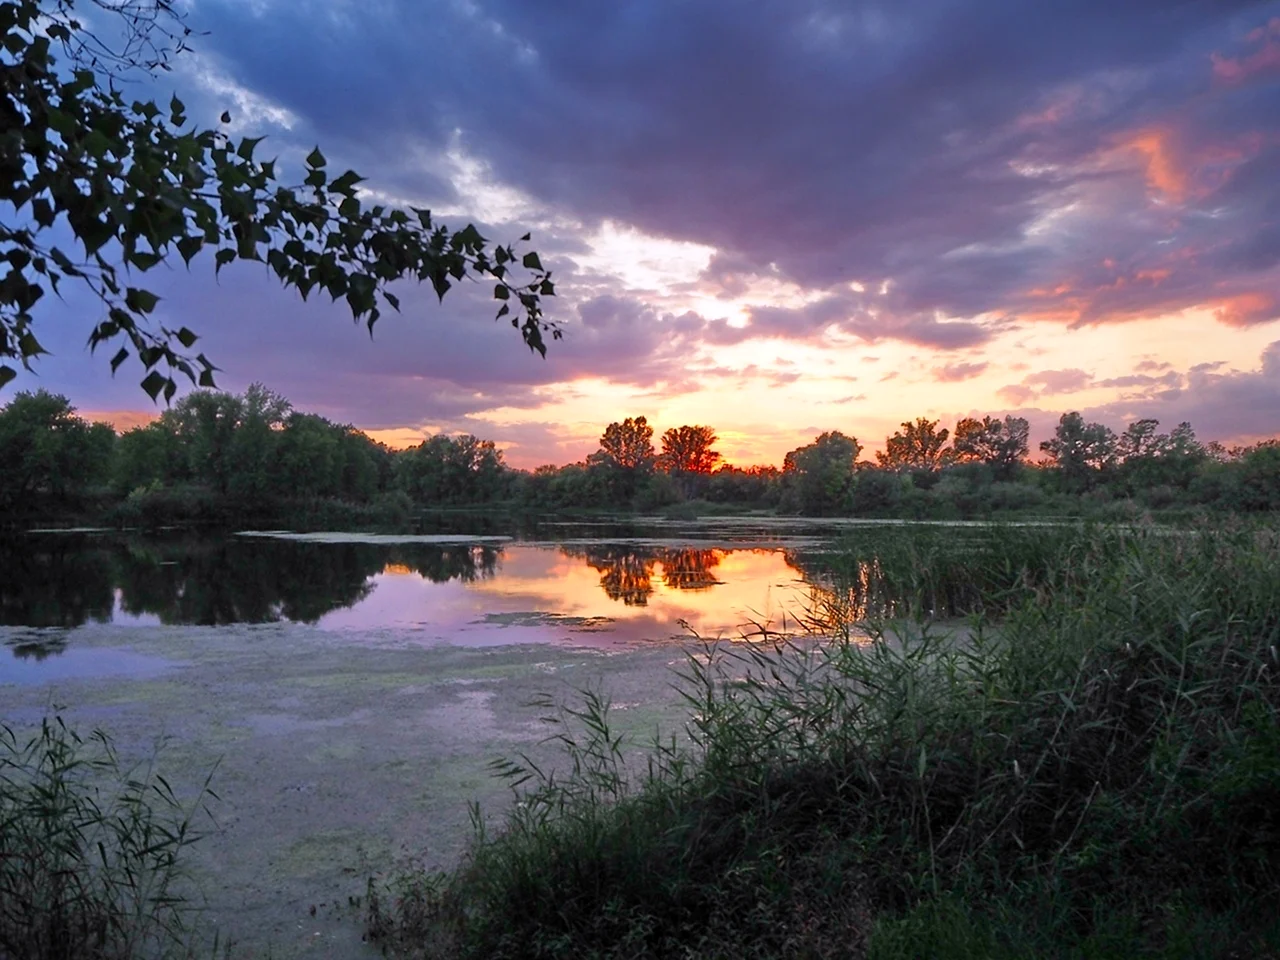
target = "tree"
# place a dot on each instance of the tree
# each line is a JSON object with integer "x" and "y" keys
{"x": 452, "y": 470}
{"x": 147, "y": 456}
{"x": 47, "y": 449}
{"x": 629, "y": 445}
{"x": 1082, "y": 452}
{"x": 134, "y": 183}
{"x": 917, "y": 446}
{"x": 1148, "y": 460}
{"x": 626, "y": 454}
{"x": 1001, "y": 444}
{"x": 689, "y": 450}
{"x": 1259, "y": 481}
{"x": 819, "y": 476}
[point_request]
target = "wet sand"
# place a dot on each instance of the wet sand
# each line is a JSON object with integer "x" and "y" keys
{"x": 335, "y": 755}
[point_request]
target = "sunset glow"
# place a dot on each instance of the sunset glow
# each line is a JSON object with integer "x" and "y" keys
{"x": 775, "y": 225}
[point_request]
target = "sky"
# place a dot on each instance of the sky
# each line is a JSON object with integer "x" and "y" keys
{"x": 774, "y": 217}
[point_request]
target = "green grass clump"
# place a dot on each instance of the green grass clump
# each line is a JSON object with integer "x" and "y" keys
{"x": 89, "y": 851}
{"x": 1095, "y": 774}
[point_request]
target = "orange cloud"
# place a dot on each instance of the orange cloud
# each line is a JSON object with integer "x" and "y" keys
{"x": 1164, "y": 173}
{"x": 1247, "y": 309}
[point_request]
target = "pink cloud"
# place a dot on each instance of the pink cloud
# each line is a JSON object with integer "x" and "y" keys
{"x": 1265, "y": 60}
{"x": 956, "y": 372}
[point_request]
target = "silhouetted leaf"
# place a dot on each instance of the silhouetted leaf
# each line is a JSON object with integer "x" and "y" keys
{"x": 154, "y": 383}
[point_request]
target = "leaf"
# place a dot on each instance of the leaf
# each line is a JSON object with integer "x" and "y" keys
{"x": 29, "y": 345}
{"x": 345, "y": 184}
{"x": 154, "y": 383}
{"x": 500, "y": 292}
{"x": 315, "y": 158}
{"x": 223, "y": 258}
{"x": 42, "y": 212}
{"x": 145, "y": 261}
{"x": 188, "y": 247}
{"x": 140, "y": 301}
{"x": 226, "y": 116}
{"x": 121, "y": 356}
{"x": 6, "y": 374}
{"x": 247, "y": 145}
{"x": 531, "y": 261}
{"x": 206, "y": 379}
{"x": 187, "y": 338}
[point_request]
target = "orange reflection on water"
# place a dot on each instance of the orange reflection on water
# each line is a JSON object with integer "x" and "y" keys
{"x": 647, "y": 593}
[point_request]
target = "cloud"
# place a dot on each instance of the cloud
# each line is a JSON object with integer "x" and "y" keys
{"x": 1058, "y": 381}
{"x": 1235, "y": 405}
{"x": 1016, "y": 394}
{"x": 986, "y": 152}
{"x": 956, "y": 372}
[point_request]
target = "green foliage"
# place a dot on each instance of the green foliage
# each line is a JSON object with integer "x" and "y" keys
{"x": 1000, "y": 444}
{"x": 818, "y": 478}
{"x": 90, "y": 851}
{"x": 1082, "y": 453}
{"x": 919, "y": 445}
{"x": 47, "y": 451}
{"x": 1092, "y": 775}
{"x": 135, "y": 183}
{"x": 452, "y": 470}
{"x": 221, "y": 458}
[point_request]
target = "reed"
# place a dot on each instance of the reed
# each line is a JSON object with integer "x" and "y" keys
{"x": 1088, "y": 766}
{"x": 90, "y": 851}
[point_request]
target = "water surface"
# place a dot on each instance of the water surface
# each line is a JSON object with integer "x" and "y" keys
{"x": 586, "y": 584}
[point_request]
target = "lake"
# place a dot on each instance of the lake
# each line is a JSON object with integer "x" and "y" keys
{"x": 603, "y": 584}
{"x": 351, "y": 690}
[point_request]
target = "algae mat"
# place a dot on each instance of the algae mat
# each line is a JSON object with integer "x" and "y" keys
{"x": 333, "y": 758}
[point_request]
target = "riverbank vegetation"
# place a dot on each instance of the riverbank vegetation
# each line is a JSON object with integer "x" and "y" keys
{"x": 91, "y": 851}
{"x": 1089, "y": 767}
{"x": 252, "y": 460}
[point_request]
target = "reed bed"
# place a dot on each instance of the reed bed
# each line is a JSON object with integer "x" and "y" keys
{"x": 91, "y": 851}
{"x": 1088, "y": 765}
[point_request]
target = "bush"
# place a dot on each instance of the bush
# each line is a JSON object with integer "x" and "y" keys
{"x": 89, "y": 851}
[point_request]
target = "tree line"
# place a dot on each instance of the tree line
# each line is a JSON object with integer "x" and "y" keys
{"x": 217, "y": 456}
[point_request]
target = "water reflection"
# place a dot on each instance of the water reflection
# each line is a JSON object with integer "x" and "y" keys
{"x": 627, "y": 573}
{"x": 446, "y": 591}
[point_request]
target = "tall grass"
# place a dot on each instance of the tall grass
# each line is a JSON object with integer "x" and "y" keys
{"x": 1094, "y": 773}
{"x": 89, "y": 851}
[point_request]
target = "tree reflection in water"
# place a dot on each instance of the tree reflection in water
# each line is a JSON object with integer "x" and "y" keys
{"x": 627, "y": 571}
{"x": 66, "y": 581}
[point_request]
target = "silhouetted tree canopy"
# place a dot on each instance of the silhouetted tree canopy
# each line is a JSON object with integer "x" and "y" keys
{"x": 689, "y": 450}
{"x": 919, "y": 445}
{"x": 135, "y": 182}
{"x": 243, "y": 459}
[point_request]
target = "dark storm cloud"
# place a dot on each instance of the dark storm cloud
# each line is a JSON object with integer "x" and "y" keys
{"x": 833, "y": 142}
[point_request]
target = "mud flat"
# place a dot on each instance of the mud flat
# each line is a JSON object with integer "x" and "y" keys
{"x": 336, "y": 753}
